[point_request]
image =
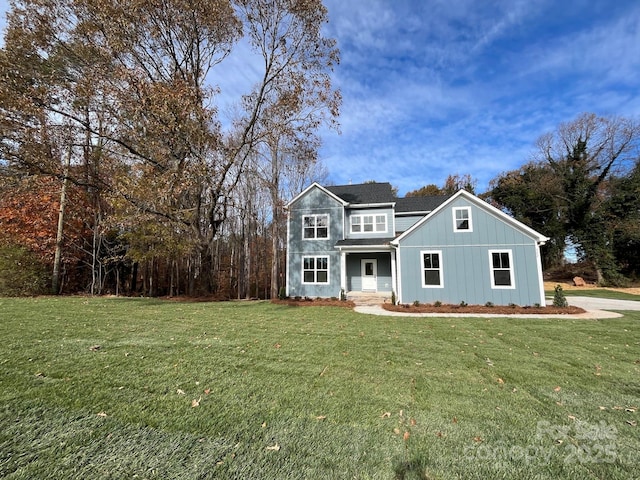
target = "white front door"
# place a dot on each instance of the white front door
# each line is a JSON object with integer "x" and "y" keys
{"x": 369, "y": 269}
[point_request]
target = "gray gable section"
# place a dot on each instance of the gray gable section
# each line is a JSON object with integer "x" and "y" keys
{"x": 364, "y": 193}
{"x": 490, "y": 225}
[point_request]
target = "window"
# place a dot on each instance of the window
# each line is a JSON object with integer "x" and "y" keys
{"x": 431, "y": 269}
{"x": 315, "y": 226}
{"x": 368, "y": 223}
{"x": 315, "y": 269}
{"x": 501, "y": 265}
{"x": 462, "y": 219}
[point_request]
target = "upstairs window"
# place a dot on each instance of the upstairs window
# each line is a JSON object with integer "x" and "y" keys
{"x": 368, "y": 223}
{"x": 315, "y": 226}
{"x": 431, "y": 269}
{"x": 315, "y": 270}
{"x": 501, "y": 265}
{"x": 462, "y": 219}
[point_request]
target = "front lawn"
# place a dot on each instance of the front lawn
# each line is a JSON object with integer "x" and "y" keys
{"x": 98, "y": 388}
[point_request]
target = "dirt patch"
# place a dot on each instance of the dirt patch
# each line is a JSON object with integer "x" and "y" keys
{"x": 497, "y": 310}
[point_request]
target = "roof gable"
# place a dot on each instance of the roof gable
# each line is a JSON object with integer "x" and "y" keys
{"x": 315, "y": 185}
{"x": 481, "y": 204}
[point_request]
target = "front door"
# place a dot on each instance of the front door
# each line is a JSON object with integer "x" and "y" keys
{"x": 369, "y": 274}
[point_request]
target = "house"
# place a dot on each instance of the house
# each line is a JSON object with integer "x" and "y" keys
{"x": 452, "y": 249}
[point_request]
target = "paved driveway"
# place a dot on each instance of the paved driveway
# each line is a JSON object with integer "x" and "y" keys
{"x": 589, "y": 303}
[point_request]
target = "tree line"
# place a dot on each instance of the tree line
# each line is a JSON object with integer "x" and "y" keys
{"x": 123, "y": 170}
{"x": 112, "y": 122}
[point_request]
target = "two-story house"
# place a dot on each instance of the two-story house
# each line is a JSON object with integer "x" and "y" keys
{"x": 451, "y": 249}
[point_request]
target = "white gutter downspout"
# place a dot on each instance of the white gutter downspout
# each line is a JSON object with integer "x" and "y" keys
{"x": 543, "y": 300}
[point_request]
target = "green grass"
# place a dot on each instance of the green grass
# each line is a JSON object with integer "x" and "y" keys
{"x": 598, "y": 293}
{"x": 595, "y": 293}
{"x": 310, "y": 392}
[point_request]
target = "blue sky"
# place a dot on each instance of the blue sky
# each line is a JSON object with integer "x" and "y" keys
{"x": 438, "y": 87}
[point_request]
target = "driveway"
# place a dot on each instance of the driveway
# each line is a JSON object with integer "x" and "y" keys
{"x": 595, "y": 308}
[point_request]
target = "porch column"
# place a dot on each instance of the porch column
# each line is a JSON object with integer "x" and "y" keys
{"x": 343, "y": 271}
{"x": 394, "y": 285}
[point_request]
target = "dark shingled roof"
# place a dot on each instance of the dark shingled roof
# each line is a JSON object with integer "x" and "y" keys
{"x": 383, "y": 193}
{"x": 420, "y": 204}
{"x": 364, "y": 192}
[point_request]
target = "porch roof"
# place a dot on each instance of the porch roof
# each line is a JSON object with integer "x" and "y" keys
{"x": 360, "y": 243}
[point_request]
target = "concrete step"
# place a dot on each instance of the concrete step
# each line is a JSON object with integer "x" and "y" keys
{"x": 369, "y": 298}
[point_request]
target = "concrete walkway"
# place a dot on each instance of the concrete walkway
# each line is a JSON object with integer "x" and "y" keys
{"x": 595, "y": 308}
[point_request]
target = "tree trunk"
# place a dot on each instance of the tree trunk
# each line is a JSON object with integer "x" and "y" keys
{"x": 57, "y": 261}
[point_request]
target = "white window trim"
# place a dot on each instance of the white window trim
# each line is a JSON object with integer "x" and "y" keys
{"x": 511, "y": 275}
{"x": 315, "y": 257}
{"x": 455, "y": 220}
{"x": 422, "y": 269}
{"x": 316, "y": 215}
{"x": 361, "y": 217}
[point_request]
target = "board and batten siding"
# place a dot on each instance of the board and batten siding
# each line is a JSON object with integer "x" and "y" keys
{"x": 387, "y": 212}
{"x": 465, "y": 259}
{"x": 315, "y": 201}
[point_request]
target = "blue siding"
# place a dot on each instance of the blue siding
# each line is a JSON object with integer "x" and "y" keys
{"x": 465, "y": 261}
{"x": 387, "y": 212}
{"x": 405, "y": 222}
{"x": 315, "y": 201}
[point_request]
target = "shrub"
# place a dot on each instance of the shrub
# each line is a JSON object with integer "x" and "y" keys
{"x": 559, "y": 300}
{"x": 489, "y": 304}
{"x": 21, "y": 272}
{"x": 282, "y": 293}
{"x": 437, "y": 303}
{"x": 393, "y": 297}
{"x": 343, "y": 295}
{"x": 463, "y": 303}
{"x": 416, "y": 303}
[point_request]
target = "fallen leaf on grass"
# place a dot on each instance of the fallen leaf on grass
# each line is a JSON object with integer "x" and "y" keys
{"x": 94, "y": 348}
{"x": 207, "y": 391}
{"x": 385, "y": 415}
{"x": 500, "y": 381}
{"x": 264, "y": 424}
{"x": 101, "y": 414}
{"x": 195, "y": 403}
{"x": 406, "y": 436}
{"x": 633, "y": 423}
{"x": 630, "y": 409}
{"x": 277, "y": 345}
{"x": 477, "y": 439}
{"x": 321, "y": 417}
{"x": 412, "y": 422}
{"x": 557, "y": 389}
{"x": 275, "y": 448}
{"x": 180, "y": 392}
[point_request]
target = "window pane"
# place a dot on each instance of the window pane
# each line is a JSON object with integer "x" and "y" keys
{"x": 323, "y": 276}
{"x": 496, "y": 260}
{"x": 463, "y": 224}
{"x": 309, "y": 263}
{"x": 309, "y": 233}
{"x": 308, "y": 276}
{"x": 355, "y": 228}
{"x": 502, "y": 278}
{"x": 427, "y": 260}
{"x": 432, "y": 277}
{"x": 368, "y": 227}
{"x": 322, "y": 221}
{"x": 323, "y": 233}
{"x": 321, "y": 263}
{"x": 504, "y": 257}
{"x": 309, "y": 221}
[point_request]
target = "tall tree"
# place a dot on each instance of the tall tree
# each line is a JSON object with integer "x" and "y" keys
{"x": 564, "y": 190}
